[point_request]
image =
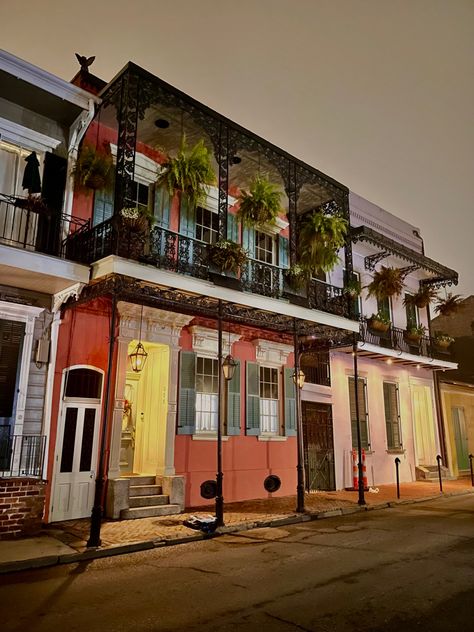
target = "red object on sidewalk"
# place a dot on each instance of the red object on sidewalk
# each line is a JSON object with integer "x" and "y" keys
{"x": 355, "y": 470}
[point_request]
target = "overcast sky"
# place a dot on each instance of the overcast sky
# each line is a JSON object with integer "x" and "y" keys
{"x": 379, "y": 94}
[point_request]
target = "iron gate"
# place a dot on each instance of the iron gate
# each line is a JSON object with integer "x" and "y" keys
{"x": 318, "y": 446}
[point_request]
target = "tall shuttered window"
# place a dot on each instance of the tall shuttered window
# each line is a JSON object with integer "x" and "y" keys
{"x": 363, "y": 412}
{"x": 269, "y": 400}
{"x": 207, "y": 399}
{"x": 392, "y": 415}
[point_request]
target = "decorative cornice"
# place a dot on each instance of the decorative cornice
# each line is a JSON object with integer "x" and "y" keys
{"x": 205, "y": 341}
{"x": 443, "y": 275}
{"x": 271, "y": 353}
{"x": 73, "y": 291}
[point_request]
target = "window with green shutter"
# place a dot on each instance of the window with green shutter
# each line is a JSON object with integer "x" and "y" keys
{"x": 233, "y": 402}
{"x": 161, "y": 207}
{"x": 290, "y": 402}
{"x": 187, "y": 393}
{"x": 363, "y": 412}
{"x": 392, "y": 415}
{"x": 232, "y": 228}
{"x": 252, "y": 412}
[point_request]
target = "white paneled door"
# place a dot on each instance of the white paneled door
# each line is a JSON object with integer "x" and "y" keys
{"x": 76, "y": 462}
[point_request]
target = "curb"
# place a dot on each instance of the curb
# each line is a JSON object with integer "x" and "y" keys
{"x": 133, "y": 547}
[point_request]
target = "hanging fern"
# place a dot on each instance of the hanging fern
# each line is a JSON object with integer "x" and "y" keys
{"x": 94, "y": 168}
{"x": 320, "y": 239}
{"x": 189, "y": 172}
{"x": 387, "y": 282}
{"x": 449, "y": 305}
{"x": 261, "y": 204}
{"x": 422, "y": 298}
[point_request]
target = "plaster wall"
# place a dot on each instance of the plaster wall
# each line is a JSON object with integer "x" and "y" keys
{"x": 460, "y": 397}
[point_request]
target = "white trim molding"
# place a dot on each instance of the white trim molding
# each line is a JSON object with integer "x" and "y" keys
{"x": 273, "y": 354}
{"x": 26, "y": 137}
{"x": 205, "y": 341}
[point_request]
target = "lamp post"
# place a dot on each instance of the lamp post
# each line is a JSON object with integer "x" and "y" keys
{"x": 298, "y": 378}
{"x": 361, "y": 500}
{"x": 226, "y": 371}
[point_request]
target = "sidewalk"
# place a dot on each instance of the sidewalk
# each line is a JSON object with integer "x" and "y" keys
{"x": 66, "y": 541}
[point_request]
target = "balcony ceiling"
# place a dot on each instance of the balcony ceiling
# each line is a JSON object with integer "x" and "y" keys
{"x": 37, "y": 100}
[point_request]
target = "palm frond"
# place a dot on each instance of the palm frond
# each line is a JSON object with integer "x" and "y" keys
{"x": 450, "y": 305}
{"x": 387, "y": 282}
{"x": 261, "y": 204}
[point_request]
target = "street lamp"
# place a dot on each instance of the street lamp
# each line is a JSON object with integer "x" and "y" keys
{"x": 299, "y": 378}
{"x": 228, "y": 367}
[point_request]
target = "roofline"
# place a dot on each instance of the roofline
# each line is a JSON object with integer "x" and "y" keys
{"x": 45, "y": 80}
{"x": 131, "y": 66}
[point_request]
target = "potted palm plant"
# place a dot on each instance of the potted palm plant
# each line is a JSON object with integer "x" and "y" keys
{"x": 227, "y": 256}
{"x": 321, "y": 237}
{"x": 422, "y": 298}
{"x": 379, "y": 323}
{"x": 189, "y": 172}
{"x": 295, "y": 284}
{"x": 94, "y": 168}
{"x": 261, "y": 204}
{"x": 387, "y": 282}
{"x": 352, "y": 287}
{"x": 450, "y": 305}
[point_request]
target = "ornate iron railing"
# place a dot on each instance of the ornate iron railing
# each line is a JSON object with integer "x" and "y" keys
{"x": 28, "y": 224}
{"x": 22, "y": 455}
{"x": 316, "y": 367}
{"x": 174, "y": 252}
{"x": 398, "y": 340}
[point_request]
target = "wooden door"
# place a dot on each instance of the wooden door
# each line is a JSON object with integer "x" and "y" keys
{"x": 460, "y": 438}
{"x": 318, "y": 446}
{"x": 76, "y": 461}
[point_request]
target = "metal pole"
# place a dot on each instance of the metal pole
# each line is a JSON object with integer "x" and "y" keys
{"x": 470, "y": 465}
{"x": 219, "y": 475}
{"x": 361, "y": 500}
{"x": 299, "y": 428}
{"x": 397, "y": 465}
{"x": 439, "y": 459}
{"x": 97, "y": 509}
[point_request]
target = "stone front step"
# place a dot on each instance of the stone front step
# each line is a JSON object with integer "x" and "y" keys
{"x": 149, "y": 501}
{"x": 141, "y": 480}
{"x": 145, "y": 490}
{"x": 149, "y": 512}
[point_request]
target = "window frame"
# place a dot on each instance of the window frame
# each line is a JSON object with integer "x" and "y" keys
{"x": 213, "y": 395}
{"x": 274, "y": 420}
{"x": 368, "y": 447}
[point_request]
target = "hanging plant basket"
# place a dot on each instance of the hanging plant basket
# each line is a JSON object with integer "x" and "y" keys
{"x": 321, "y": 236}
{"x": 94, "y": 168}
{"x": 190, "y": 172}
{"x": 353, "y": 288}
{"x": 443, "y": 341}
{"x": 261, "y": 204}
{"x": 413, "y": 335}
{"x": 422, "y": 298}
{"x": 133, "y": 228}
{"x": 387, "y": 282}
{"x": 450, "y": 305}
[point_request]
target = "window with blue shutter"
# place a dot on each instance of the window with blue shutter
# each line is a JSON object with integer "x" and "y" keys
{"x": 187, "y": 393}
{"x": 161, "y": 207}
{"x": 187, "y": 218}
{"x": 283, "y": 259}
{"x": 290, "y": 403}
{"x": 103, "y": 207}
{"x": 392, "y": 415}
{"x": 233, "y": 403}
{"x": 252, "y": 413}
{"x": 232, "y": 228}
{"x": 248, "y": 241}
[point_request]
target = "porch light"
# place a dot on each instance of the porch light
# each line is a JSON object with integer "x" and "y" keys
{"x": 299, "y": 379}
{"x": 138, "y": 358}
{"x": 228, "y": 367}
{"x": 139, "y": 355}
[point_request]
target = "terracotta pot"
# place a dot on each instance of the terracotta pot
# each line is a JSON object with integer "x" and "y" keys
{"x": 378, "y": 325}
{"x": 442, "y": 344}
{"x": 413, "y": 339}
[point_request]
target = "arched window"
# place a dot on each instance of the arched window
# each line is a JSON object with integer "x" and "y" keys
{"x": 83, "y": 383}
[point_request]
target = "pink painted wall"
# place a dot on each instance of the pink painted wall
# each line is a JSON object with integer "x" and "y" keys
{"x": 247, "y": 461}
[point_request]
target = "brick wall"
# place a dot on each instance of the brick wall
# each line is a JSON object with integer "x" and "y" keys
{"x": 21, "y": 506}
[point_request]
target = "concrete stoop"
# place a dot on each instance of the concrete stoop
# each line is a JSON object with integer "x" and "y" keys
{"x": 146, "y": 500}
{"x": 430, "y": 473}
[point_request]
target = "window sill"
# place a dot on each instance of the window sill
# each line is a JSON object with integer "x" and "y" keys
{"x": 272, "y": 438}
{"x": 208, "y": 436}
{"x": 395, "y": 451}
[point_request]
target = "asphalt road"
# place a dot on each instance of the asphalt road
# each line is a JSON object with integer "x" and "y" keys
{"x": 401, "y": 569}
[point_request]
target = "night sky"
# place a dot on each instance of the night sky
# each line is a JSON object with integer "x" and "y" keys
{"x": 379, "y": 94}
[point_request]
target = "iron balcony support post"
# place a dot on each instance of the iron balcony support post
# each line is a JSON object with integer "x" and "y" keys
{"x": 219, "y": 475}
{"x": 397, "y": 465}
{"x": 299, "y": 428}
{"x": 440, "y": 478}
{"x": 472, "y": 471}
{"x": 97, "y": 509}
{"x": 361, "y": 500}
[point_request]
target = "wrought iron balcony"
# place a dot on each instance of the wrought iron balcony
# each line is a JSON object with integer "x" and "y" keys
{"x": 28, "y": 224}
{"x": 171, "y": 251}
{"x": 22, "y": 455}
{"x": 398, "y": 340}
